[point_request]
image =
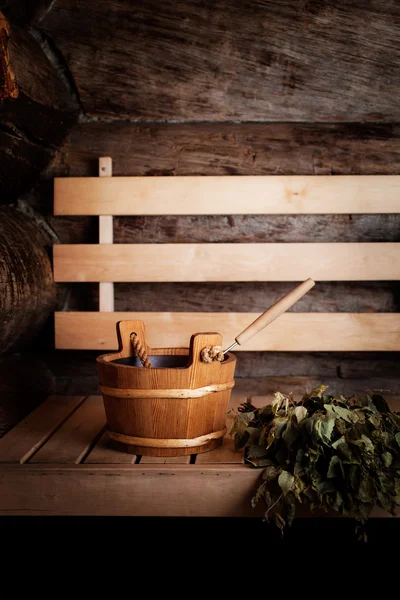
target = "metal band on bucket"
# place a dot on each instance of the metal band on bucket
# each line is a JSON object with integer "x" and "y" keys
{"x": 178, "y": 393}
{"x": 165, "y": 443}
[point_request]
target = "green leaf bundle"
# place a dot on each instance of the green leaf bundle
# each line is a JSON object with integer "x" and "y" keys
{"x": 331, "y": 453}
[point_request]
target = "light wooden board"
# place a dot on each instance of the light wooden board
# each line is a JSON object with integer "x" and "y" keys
{"x": 74, "y": 439}
{"x": 26, "y": 438}
{"x": 132, "y": 490}
{"x": 222, "y": 195}
{"x": 224, "y": 454}
{"x": 307, "y": 332}
{"x": 227, "y": 262}
{"x": 106, "y": 236}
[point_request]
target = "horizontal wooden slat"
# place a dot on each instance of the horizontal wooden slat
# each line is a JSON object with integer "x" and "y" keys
{"x": 213, "y": 490}
{"x": 222, "y": 195}
{"x": 307, "y": 332}
{"x": 169, "y": 490}
{"x": 26, "y": 438}
{"x": 73, "y": 440}
{"x": 227, "y": 262}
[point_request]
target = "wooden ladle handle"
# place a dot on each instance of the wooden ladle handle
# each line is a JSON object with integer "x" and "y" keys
{"x": 275, "y": 311}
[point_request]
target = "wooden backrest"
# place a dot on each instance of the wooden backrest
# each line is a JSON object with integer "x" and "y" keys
{"x": 107, "y": 262}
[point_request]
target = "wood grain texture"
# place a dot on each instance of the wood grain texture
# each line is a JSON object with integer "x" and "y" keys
{"x": 234, "y": 228}
{"x": 27, "y": 290}
{"x": 34, "y": 430}
{"x": 223, "y": 454}
{"x": 8, "y": 87}
{"x": 26, "y": 12}
{"x": 372, "y": 369}
{"x": 74, "y": 439}
{"x": 19, "y": 373}
{"x": 131, "y": 490}
{"x": 75, "y": 372}
{"x": 106, "y": 236}
{"x": 104, "y": 453}
{"x": 120, "y": 489}
{"x": 232, "y": 61}
{"x": 164, "y": 460}
{"x": 198, "y": 392}
{"x": 337, "y": 296}
{"x": 230, "y": 149}
{"x": 274, "y": 312}
{"x": 234, "y": 195}
{"x": 36, "y": 122}
{"x": 165, "y": 426}
{"x": 226, "y": 452}
{"x": 307, "y": 332}
{"x": 162, "y": 446}
{"x": 218, "y": 148}
{"x": 227, "y": 262}
{"x": 21, "y": 158}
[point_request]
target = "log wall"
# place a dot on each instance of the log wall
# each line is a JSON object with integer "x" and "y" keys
{"x": 237, "y": 87}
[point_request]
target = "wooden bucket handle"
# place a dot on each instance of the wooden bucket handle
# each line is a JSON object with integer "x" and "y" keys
{"x": 198, "y": 341}
{"x": 124, "y": 331}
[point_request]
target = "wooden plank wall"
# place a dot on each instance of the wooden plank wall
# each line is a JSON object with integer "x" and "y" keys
{"x": 232, "y": 88}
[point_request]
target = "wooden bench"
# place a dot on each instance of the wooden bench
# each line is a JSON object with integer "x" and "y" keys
{"x": 57, "y": 461}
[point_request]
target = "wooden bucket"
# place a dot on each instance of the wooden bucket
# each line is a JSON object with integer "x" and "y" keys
{"x": 176, "y": 407}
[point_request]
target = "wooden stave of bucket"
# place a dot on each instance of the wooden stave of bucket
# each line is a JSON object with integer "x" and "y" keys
{"x": 153, "y": 425}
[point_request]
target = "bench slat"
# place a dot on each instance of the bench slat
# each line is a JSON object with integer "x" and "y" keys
{"x": 165, "y": 460}
{"x": 227, "y": 262}
{"x": 104, "y": 453}
{"x": 221, "y": 195}
{"x": 72, "y": 442}
{"x": 36, "y": 429}
{"x": 129, "y": 490}
{"x": 305, "y": 332}
{"x": 132, "y": 490}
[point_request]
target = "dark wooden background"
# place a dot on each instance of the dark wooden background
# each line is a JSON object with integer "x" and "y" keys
{"x": 235, "y": 87}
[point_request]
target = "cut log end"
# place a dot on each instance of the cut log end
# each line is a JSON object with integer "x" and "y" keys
{"x": 8, "y": 85}
{"x": 27, "y": 291}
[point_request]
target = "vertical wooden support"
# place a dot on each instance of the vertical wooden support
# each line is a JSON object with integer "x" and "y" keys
{"x": 106, "y": 289}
